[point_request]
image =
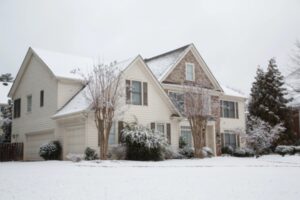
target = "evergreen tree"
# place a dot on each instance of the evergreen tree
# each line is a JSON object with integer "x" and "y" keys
{"x": 7, "y": 123}
{"x": 268, "y": 101}
{"x": 6, "y": 77}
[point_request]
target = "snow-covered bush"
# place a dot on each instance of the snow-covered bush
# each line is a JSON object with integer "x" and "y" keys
{"x": 187, "y": 152}
{"x": 207, "y": 152}
{"x": 51, "y": 151}
{"x": 90, "y": 154}
{"x": 143, "y": 143}
{"x": 117, "y": 152}
{"x": 261, "y": 135}
{"x": 227, "y": 150}
{"x": 283, "y": 150}
{"x": 297, "y": 149}
{"x": 171, "y": 153}
{"x": 75, "y": 157}
{"x": 243, "y": 152}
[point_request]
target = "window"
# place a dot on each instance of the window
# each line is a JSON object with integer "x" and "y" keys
{"x": 29, "y": 103}
{"x": 17, "y": 108}
{"x": 136, "y": 92}
{"x": 178, "y": 100}
{"x": 42, "y": 98}
{"x": 189, "y": 72}
{"x": 160, "y": 127}
{"x": 186, "y": 135}
{"x": 164, "y": 128}
{"x": 229, "y": 109}
{"x": 230, "y": 139}
{"x": 112, "y": 134}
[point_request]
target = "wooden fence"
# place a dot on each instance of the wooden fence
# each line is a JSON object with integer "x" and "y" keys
{"x": 11, "y": 152}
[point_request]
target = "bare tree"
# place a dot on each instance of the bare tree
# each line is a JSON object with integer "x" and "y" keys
{"x": 103, "y": 91}
{"x": 197, "y": 111}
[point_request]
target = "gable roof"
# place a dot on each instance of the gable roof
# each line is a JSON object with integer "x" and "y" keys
{"x": 4, "y": 89}
{"x": 162, "y": 65}
{"x": 229, "y": 91}
{"x": 79, "y": 102}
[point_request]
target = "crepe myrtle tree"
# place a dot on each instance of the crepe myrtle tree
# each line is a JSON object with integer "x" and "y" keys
{"x": 197, "y": 111}
{"x": 103, "y": 92}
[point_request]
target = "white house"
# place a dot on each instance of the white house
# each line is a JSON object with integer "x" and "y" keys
{"x": 49, "y": 101}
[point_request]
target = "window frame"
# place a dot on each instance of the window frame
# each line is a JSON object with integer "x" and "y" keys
{"x": 186, "y": 71}
{"x": 144, "y": 93}
{"x": 29, "y": 103}
{"x": 226, "y": 112}
{"x": 189, "y": 143}
{"x": 230, "y": 135}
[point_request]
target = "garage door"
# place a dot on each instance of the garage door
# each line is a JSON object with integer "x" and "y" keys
{"x": 33, "y": 143}
{"x": 75, "y": 140}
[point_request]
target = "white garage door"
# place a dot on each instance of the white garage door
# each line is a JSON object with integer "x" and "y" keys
{"x": 33, "y": 143}
{"x": 75, "y": 140}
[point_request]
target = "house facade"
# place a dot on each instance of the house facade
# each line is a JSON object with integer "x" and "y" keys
{"x": 50, "y": 102}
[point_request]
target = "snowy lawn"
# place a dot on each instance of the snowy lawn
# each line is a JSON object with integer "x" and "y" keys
{"x": 269, "y": 177}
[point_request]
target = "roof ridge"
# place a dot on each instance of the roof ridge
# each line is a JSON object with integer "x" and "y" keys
{"x": 166, "y": 53}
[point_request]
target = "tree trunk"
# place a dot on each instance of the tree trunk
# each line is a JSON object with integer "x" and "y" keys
{"x": 198, "y": 128}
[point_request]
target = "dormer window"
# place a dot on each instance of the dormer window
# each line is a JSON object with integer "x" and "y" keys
{"x": 189, "y": 72}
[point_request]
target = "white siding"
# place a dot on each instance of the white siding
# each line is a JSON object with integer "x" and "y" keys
{"x": 36, "y": 78}
{"x": 66, "y": 90}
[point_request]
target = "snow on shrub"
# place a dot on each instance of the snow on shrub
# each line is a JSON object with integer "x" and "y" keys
{"x": 187, "y": 152}
{"x": 117, "y": 152}
{"x": 207, "y": 152}
{"x": 51, "y": 151}
{"x": 283, "y": 150}
{"x": 171, "y": 153}
{"x": 75, "y": 157}
{"x": 243, "y": 152}
{"x": 297, "y": 149}
{"x": 261, "y": 135}
{"x": 143, "y": 143}
{"x": 90, "y": 154}
{"x": 227, "y": 150}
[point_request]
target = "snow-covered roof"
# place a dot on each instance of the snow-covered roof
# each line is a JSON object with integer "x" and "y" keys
{"x": 162, "y": 63}
{"x": 80, "y": 102}
{"x": 232, "y": 92}
{"x": 63, "y": 65}
{"x": 4, "y": 89}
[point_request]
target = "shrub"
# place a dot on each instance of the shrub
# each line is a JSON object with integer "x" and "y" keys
{"x": 90, "y": 154}
{"x": 283, "y": 150}
{"x": 227, "y": 150}
{"x": 143, "y": 144}
{"x": 187, "y": 152}
{"x": 117, "y": 152}
{"x": 182, "y": 143}
{"x": 297, "y": 149}
{"x": 243, "y": 152}
{"x": 75, "y": 157}
{"x": 171, "y": 153}
{"x": 207, "y": 152}
{"x": 51, "y": 151}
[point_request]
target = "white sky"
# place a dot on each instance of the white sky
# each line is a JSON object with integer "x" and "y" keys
{"x": 233, "y": 37}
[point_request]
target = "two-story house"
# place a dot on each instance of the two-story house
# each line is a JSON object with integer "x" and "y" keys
{"x": 50, "y": 102}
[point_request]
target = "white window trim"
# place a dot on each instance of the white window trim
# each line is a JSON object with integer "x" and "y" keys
{"x": 142, "y": 92}
{"x": 236, "y": 103}
{"x": 186, "y": 71}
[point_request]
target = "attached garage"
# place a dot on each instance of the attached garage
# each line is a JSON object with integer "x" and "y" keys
{"x": 33, "y": 143}
{"x": 75, "y": 139}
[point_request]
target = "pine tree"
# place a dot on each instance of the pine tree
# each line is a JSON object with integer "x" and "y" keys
{"x": 268, "y": 100}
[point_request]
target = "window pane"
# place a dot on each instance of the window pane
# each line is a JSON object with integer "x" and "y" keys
{"x": 231, "y": 109}
{"x": 112, "y": 134}
{"x": 178, "y": 100}
{"x": 160, "y": 128}
{"x": 186, "y": 135}
{"x": 136, "y": 93}
{"x": 190, "y": 72}
{"x": 29, "y": 103}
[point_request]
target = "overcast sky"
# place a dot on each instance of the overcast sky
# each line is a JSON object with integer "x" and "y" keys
{"x": 233, "y": 37}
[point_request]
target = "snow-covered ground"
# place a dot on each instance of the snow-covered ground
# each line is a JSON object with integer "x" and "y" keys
{"x": 269, "y": 177}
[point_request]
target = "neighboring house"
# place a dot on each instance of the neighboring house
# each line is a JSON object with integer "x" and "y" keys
{"x": 49, "y": 101}
{"x": 293, "y": 88}
{"x": 4, "y": 102}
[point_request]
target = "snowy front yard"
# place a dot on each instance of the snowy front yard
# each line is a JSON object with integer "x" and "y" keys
{"x": 270, "y": 177}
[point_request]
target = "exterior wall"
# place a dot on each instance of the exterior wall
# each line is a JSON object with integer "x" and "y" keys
{"x": 36, "y": 78}
{"x": 66, "y": 89}
{"x": 177, "y": 76}
{"x": 238, "y": 125}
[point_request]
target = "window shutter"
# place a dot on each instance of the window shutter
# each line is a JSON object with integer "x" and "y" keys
{"x": 152, "y": 126}
{"x": 145, "y": 94}
{"x": 237, "y": 110}
{"x": 221, "y": 108}
{"x": 222, "y": 140}
{"x": 169, "y": 132}
{"x": 120, "y": 128}
{"x": 42, "y": 98}
{"x": 238, "y": 140}
{"x": 128, "y": 93}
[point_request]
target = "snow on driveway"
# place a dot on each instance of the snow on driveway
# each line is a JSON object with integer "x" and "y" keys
{"x": 269, "y": 177}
